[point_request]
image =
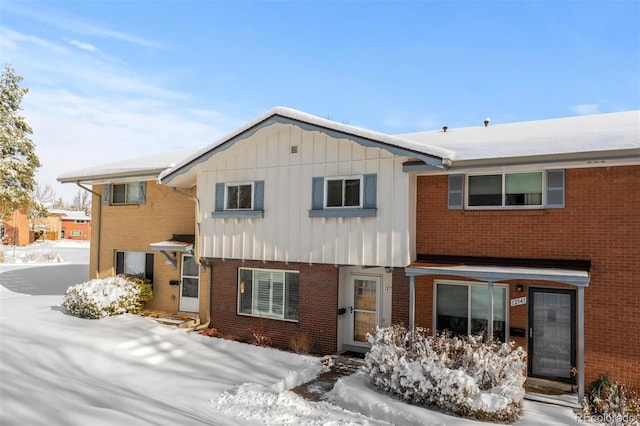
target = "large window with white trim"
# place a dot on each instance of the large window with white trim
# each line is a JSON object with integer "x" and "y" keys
{"x": 462, "y": 309}
{"x": 505, "y": 190}
{"x": 268, "y": 293}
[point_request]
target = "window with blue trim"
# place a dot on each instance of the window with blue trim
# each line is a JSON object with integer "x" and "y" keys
{"x": 352, "y": 196}
{"x": 239, "y": 200}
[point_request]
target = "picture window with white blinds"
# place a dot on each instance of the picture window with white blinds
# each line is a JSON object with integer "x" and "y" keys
{"x": 268, "y": 293}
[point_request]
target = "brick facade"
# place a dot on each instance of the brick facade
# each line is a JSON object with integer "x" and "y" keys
{"x": 133, "y": 228}
{"x": 318, "y": 304}
{"x": 600, "y": 223}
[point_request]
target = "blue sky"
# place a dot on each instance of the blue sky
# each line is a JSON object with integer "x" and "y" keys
{"x": 119, "y": 79}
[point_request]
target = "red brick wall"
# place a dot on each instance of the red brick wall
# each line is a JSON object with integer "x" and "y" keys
{"x": 318, "y": 308}
{"x": 600, "y": 223}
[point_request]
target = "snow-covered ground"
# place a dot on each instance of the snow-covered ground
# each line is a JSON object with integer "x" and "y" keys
{"x": 57, "y": 369}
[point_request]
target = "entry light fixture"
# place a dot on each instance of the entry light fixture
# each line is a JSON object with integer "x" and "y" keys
{"x": 519, "y": 288}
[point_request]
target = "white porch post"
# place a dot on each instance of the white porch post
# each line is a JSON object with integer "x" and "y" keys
{"x": 580, "y": 355}
{"x": 490, "y": 310}
{"x": 412, "y": 303}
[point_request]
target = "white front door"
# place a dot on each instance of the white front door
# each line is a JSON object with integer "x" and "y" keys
{"x": 189, "y": 285}
{"x": 365, "y": 296}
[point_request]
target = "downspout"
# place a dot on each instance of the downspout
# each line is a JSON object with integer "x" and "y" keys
{"x": 99, "y": 224}
{"x": 196, "y": 253}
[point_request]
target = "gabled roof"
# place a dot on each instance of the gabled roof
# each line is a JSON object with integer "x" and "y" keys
{"x": 426, "y": 153}
{"x": 581, "y": 137}
{"x": 140, "y": 168}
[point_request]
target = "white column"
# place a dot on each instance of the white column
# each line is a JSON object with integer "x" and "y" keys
{"x": 412, "y": 303}
{"x": 490, "y": 310}
{"x": 580, "y": 354}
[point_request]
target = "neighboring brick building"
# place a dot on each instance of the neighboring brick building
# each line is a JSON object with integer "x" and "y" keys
{"x": 15, "y": 230}
{"x": 69, "y": 224}
{"x": 143, "y": 228}
{"x": 557, "y": 237}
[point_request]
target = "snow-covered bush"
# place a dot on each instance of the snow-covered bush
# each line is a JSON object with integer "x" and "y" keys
{"x": 466, "y": 376}
{"x": 611, "y": 403}
{"x": 107, "y": 296}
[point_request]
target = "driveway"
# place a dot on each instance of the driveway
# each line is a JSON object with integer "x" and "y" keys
{"x": 44, "y": 280}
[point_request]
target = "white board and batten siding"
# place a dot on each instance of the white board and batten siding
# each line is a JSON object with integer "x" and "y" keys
{"x": 286, "y": 233}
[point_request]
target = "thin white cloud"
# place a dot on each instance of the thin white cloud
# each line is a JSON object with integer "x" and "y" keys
{"x": 50, "y": 16}
{"x": 83, "y": 46}
{"x": 11, "y": 39}
{"x": 585, "y": 109}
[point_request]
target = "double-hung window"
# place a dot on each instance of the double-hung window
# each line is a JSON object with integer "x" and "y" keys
{"x": 239, "y": 199}
{"x": 343, "y": 192}
{"x": 268, "y": 293}
{"x": 135, "y": 263}
{"x": 125, "y": 193}
{"x": 517, "y": 190}
{"x": 462, "y": 309}
{"x": 352, "y": 196}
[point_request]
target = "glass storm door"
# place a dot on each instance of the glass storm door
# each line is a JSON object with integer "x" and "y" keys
{"x": 552, "y": 335}
{"x": 364, "y": 311}
{"x": 189, "y": 285}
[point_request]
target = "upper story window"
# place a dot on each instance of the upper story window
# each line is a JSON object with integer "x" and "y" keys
{"x": 125, "y": 193}
{"x": 507, "y": 190}
{"x": 343, "y": 192}
{"x": 238, "y": 200}
{"x": 353, "y": 196}
{"x": 239, "y": 197}
{"x": 80, "y": 221}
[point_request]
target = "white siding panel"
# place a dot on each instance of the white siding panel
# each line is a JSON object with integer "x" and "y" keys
{"x": 286, "y": 233}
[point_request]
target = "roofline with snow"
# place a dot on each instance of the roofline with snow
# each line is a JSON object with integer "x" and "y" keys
{"x": 619, "y": 157}
{"x": 93, "y": 179}
{"x": 308, "y": 122}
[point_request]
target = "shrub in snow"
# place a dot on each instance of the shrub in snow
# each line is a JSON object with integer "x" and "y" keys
{"x": 611, "y": 403}
{"x": 107, "y": 296}
{"x": 466, "y": 376}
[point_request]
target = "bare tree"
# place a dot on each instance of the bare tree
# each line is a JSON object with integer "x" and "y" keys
{"x": 82, "y": 201}
{"x": 42, "y": 198}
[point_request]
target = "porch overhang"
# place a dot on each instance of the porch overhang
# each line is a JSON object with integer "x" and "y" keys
{"x": 502, "y": 270}
{"x": 172, "y": 246}
{"x": 503, "y": 273}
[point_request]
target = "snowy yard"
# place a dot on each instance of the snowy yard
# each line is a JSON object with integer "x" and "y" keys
{"x": 57, "y": 369}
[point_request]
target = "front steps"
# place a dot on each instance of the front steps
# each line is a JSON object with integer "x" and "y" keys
{"x": 178, "y": 319}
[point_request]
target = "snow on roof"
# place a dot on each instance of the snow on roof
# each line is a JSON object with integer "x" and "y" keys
{"x": 393, "y": 143}
{"x": 589, "y": 133}
{"x": 150, "y": 166}
{"x": 70, "y": 214}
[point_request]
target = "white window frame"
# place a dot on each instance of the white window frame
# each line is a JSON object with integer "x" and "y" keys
{"x": 262, "y": 314}
{"x": 238, "y": 184}
{"x": 343, "y": 179}
{"x": 469, "y": 284}
{"x": 76, "y": 232}
{"x": 543, "y": 182}
{"x": 126, "y": 192}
